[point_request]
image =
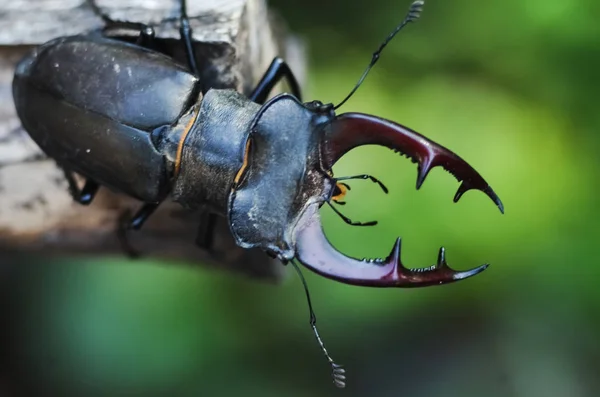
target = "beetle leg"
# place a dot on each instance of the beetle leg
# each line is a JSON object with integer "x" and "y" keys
{"x": 122, "y": 229}
{"x": 206, "y": 230}
{"x": 126, "y": 223}
{"x": 146, "y": 38}
{"x": 185, "y": 31}
{"x": 142, "y": 216}
{"x": 278, "y": 70}
{"x": 83, "y": 196}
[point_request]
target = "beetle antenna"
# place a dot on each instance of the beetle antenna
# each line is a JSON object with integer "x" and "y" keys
{"x": 338, "y": 372}
{"x": 414, "y": 12}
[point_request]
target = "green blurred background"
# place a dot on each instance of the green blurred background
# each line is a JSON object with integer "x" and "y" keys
{"x": 511, "y": 86}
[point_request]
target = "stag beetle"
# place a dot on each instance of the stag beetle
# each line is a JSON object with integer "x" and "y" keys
{"x": 132, "y": 119}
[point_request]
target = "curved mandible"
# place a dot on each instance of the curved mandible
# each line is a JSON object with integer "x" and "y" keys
{"x": 350, "y": 130}
{"x": 315, "y": 252}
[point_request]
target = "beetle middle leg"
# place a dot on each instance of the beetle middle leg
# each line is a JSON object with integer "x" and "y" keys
{"x": 127, "y": 222}
{"x": 206, "y": 230}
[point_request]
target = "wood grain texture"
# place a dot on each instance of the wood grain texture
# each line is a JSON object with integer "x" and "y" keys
{"x": 236, "y": 40}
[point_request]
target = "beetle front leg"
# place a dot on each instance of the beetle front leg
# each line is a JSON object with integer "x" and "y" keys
{"x": 278, "y": 70}
{"x": 185, "y": 32}
{"x": 147, "y": 34}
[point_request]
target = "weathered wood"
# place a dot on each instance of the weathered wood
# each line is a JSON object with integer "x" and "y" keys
{"x": 235, "y": 39}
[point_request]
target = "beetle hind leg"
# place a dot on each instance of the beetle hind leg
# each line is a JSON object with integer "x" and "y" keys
{"x": 84, "y": 195}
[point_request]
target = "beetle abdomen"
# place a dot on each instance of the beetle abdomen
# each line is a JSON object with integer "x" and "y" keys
{"x": 90, "y": 103}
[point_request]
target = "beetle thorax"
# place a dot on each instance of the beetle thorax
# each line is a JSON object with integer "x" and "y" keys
{"x": 282, "y": 177}
{"x": 214, "y": 151}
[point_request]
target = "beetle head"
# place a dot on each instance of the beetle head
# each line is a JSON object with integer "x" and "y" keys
{"x": 291, "y": 151}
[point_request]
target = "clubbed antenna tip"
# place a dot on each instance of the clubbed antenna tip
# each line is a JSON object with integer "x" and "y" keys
{"x": 414, "y": 12}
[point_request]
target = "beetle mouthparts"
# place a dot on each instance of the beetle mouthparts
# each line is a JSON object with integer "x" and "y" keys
{"x": 315, "y": 252}
{"x": 350, "y": 130}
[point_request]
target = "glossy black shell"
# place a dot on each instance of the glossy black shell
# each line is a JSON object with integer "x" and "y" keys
{"x": 92, "y": 103}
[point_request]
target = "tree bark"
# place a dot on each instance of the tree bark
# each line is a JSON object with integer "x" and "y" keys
{"x": 235, "y": 41}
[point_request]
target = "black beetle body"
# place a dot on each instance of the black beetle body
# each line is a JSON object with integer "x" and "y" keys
{"x": 130, "y": 118}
